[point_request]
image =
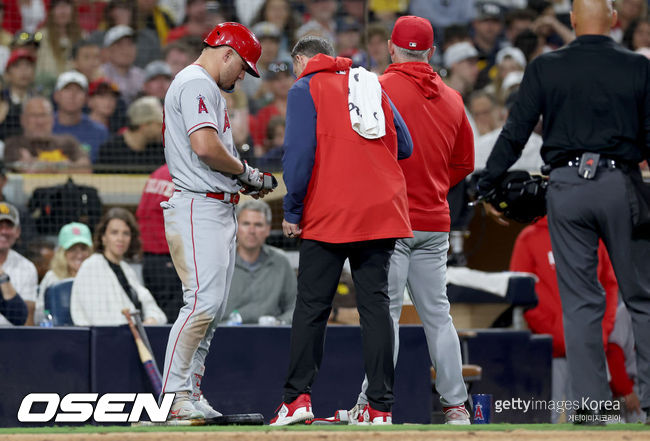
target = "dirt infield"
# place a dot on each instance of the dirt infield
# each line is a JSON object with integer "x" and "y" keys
{"x": 406, "y": 435}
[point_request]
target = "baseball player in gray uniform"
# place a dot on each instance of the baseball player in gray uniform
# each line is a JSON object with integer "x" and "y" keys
{"x": 200, "y": 222}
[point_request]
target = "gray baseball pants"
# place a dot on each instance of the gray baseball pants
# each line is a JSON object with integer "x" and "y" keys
{"x": 580, "y": 211}
{"x": 420, "y": 263}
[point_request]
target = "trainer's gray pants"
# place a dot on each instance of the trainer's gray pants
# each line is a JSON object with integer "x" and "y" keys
{"x": 581, "y": 211}
{"x": 420, "y": 264}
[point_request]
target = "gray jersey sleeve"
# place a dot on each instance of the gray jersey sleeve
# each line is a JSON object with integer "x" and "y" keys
{"x": 199, "y": 106}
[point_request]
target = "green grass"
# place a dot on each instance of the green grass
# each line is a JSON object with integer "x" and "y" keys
{"x": 395, "y": 427}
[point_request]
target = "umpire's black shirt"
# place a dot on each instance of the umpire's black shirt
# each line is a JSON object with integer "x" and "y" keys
{"x": 593, "y": 95}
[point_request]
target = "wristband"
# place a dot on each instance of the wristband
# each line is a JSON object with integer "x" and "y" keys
{"x": 4, "y": 278}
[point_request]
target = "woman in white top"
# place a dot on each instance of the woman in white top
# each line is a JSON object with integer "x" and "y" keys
{"x": 105, "y": 283}
{"x": 75, "y": 245}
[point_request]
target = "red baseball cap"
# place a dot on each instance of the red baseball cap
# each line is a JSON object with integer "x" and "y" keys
{"x": 412, "y": 32}
{"x": 102, "y": 85}
{"x": 19, "y": 54}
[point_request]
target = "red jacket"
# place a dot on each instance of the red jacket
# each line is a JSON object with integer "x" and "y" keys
{"x": 533, "y": 254}
{"x": 157, "y": 189}
{"x": 443, "y": 142}
{"x": 341, "y": 187}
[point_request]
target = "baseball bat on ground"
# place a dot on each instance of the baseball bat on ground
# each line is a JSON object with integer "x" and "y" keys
{"x": 145, "y": 355}
{"x": 237, "y": 419}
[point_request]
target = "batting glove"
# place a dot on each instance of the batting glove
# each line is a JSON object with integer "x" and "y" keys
{"x": 254, "y": 180}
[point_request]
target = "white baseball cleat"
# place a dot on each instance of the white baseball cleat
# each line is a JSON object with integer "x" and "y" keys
{"x": 354, "y": 413}
{"x": 203, "y": 406}
{"x": 456, "y": 415}
{"x": 183, "y": 409}
{"x": 295, "y": 412}
{"x": 370, "y": 416}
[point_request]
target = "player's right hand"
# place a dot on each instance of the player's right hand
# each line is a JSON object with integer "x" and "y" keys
{"x": 255, "y": 182}
{"x": 251, "y": 177}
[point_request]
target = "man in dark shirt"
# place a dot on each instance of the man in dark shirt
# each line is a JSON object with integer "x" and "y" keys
{"x": 593, "y": 97}
{"x": 139, "y": 148}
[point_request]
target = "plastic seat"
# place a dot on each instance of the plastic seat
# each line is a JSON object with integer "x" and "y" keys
{"x": 57, "y": 301}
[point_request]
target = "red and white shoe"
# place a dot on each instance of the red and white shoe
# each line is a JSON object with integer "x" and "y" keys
{"x": 295, "y": 412}
{"x": 370, "y": 416}
{"x": 456, "y": 415}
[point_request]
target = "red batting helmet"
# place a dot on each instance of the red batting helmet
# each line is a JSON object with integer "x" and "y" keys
{"x": 241, "y": 39}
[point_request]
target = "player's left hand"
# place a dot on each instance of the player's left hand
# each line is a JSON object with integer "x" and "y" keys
{"x": 290, "y": 230}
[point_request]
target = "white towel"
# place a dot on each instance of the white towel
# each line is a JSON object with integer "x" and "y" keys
{"x": 495, "y": 283}
{"x": 364, "y": 104}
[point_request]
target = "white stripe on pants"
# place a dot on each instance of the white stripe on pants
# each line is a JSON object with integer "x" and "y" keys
{"x": 201, "y": 236}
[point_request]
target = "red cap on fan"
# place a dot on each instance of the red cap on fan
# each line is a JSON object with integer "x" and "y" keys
{"x": 414, "y": 33}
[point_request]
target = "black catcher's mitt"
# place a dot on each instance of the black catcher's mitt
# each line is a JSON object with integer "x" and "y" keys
{"x": 520, "y": 196}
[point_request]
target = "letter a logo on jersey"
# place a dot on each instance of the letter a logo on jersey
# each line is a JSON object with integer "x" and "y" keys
{"x": 226, "y": 124}
{"x": 202, "y": 107}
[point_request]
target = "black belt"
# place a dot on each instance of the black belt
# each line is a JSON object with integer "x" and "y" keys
{"x": 602, "y": 163}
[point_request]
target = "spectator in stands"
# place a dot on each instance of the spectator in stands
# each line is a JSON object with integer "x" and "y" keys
{"x": 530, "y": 159}
{"x": 18, "y": 277}
{"x": 264, "y": 286}
{"x": 151, "y": 16}
{"x": 158, "y": 271}
{"x": 628, "y": 11}
{"x": 518, "y": 20}
{"x": 532, "y": 253}
{"x": 488, "y": 28}
{"x": 75, "y": 244}
{"x": 105, "y": 284}
{"x": 103, "y": 99}
{"x": 239, "y": 117}
{"x": 376, "y": 37}
{"x": 461, "y": 61}
{"x": 279, "y": 78}
{"x": 86, "y": 58}
{"x": 70, "y": 96}
{"x": 195, "y": 22}
{"x": 271, "y": 160}
{"x": 139, "y": 148}
{"x": 178, "y": 55}
{"x": 553, "y": 32}
{"x": 509, "y": 59}
{"x": 157, "y": 78}
{"x": 530, "y": 44}
{"x": 27, "y": 227}
{"x": 39, "y": 150}
{"x": 484, "y": 109}
{"x": 279, "y": 13}
{"x": 23, "y": 14}
{"x": 348, "y": 39}
{"x": 120, "y": 53}
{"x": 60, "y": 33}
{"x": 637, "y": 35}
{"x": 40, "y": 251}
{"x": 321, "y": 20}
{"x": 443, "y": 13}
{"x": 123, "y": 12}
{"x": 19, "y": 86}
{"x": 255, "y": 88}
